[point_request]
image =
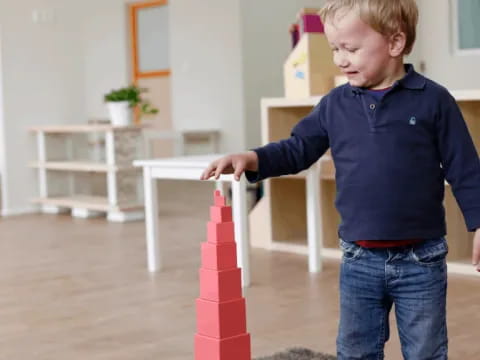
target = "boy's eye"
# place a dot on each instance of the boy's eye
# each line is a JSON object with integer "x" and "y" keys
{"x": 352, "y": 50}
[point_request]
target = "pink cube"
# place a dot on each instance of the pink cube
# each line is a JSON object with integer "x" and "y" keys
{"x": 220, "y": 232}
{"x": 233, "y": 348}
{"x": 219, "y": 256}
{"x": 220, "y": 285}
{"x": 221, "y": 319}
{"x": 220, "y": 214}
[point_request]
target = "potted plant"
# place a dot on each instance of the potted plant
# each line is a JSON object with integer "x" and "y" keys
{"x": 121, "y": 102}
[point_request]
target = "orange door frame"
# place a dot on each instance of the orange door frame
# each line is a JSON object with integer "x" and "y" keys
{"x": 133, "y": 9}
{"x": 134, "y": 56}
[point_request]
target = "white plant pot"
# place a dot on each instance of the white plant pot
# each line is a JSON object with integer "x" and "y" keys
{"x": 120, "y": 113}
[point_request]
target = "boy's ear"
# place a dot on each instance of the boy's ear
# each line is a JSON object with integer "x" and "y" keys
{"x": 397, "y": 44}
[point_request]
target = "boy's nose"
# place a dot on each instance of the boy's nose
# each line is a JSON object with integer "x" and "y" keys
{"x": 342, "y": 64}
{"x": 341, "y": 61}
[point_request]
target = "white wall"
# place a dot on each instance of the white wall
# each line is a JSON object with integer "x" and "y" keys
{"x": 266, "y": 44}
{"x": 205, "y": 57}
{"x": 3, "y": 156}
{"x": 106, "y": 53}
{"x": 43, "y": 83}
{"x": 452, "y": 71}
{"x": 207, "y": 78}
{"x": 229, "y": 54}
{"x": 225, "y": 55}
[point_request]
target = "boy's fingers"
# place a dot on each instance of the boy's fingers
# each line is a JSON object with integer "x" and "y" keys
{"x": 207, "y": 173}
{"x": 239, "y": 168}
{"x": 219, "y": 170}
{"x": 476, "y": 255}
{"x": 476, "y": 252}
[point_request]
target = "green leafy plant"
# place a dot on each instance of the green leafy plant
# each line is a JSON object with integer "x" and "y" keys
{"x": 132, "y": 94}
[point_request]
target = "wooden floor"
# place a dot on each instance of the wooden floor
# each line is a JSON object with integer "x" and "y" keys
{"x": 79, "y": 289}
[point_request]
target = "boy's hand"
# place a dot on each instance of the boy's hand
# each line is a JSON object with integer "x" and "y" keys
{"x": 232, "y": 164}
{"x": 476, "y": 250}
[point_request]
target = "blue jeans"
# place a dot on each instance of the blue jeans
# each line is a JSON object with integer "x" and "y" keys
{"x": 414, "y": 278}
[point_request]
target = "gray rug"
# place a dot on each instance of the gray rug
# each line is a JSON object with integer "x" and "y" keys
{"x": 298, "y": 354}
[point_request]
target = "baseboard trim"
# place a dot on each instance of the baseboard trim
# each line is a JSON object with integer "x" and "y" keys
{"x": 16, "y": 212}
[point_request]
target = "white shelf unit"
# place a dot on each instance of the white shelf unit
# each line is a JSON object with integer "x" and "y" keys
{"x": 88, "y": 170}
{"x": 279, "y": 220}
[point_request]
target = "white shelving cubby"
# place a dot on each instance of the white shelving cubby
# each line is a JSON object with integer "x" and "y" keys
{"x": 87, "y": 169}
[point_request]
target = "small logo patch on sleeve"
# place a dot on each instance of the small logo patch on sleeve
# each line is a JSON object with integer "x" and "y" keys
{"x": 413, "y": 120}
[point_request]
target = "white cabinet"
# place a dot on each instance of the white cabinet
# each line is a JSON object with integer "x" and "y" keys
{"x": 87, "y": 169}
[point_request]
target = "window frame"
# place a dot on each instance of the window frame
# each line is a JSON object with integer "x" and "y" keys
{"x": 455, "y": 33}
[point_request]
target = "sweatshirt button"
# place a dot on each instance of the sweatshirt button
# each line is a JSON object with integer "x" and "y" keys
{"x": 372, "y": 106}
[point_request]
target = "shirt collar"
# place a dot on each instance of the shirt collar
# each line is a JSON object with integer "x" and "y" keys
{"x": 412, "y": 80}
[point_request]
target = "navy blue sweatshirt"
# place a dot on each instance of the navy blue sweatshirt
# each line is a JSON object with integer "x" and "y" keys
{"x": 392, "y": 156}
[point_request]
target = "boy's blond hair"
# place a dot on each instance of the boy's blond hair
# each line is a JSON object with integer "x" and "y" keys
{"x": 384, "y": 16}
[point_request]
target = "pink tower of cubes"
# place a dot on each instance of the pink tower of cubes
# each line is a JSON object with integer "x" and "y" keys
{"x": 221, "y": 312}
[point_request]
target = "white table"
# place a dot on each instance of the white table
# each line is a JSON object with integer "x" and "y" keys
{"x": 190, "y": 168}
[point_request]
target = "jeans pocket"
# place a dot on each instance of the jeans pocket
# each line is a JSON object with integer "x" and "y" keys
{"x": 432, "y": 252}
{"x": 351, "y": 251}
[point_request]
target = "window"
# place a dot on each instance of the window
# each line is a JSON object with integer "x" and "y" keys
{"x": 466, "y": 26}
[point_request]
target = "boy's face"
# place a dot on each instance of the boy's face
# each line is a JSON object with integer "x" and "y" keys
{"x": 360, "y": 52}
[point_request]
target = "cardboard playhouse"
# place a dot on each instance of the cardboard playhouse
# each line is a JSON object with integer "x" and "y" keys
{"x": 309, "y": 69}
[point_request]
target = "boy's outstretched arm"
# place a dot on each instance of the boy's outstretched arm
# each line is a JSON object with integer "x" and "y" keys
{"x": 307, "y": 143}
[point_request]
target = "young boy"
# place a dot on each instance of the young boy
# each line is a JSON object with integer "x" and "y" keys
{"x": 395, "y": 136}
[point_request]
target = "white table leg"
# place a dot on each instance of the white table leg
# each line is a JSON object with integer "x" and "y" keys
{"x": 240, "y": 218}
{"x": 151, "y": 220}
{"x": 314, "y": 219}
